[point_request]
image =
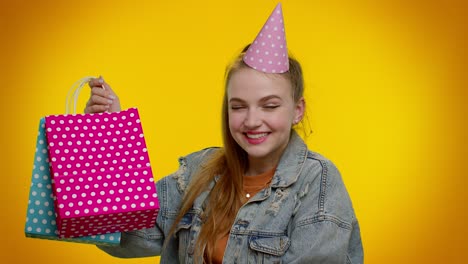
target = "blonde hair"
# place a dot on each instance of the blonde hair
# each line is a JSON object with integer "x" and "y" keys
{"x": 229, "y": 163}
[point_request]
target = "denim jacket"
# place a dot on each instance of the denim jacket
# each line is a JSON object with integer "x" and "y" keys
{"x": 304, "y": 216}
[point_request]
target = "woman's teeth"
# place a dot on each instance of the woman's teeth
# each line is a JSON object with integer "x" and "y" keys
{"x": 255, "y": 136}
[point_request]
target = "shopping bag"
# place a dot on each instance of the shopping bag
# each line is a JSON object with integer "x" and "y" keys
{"x": 40, "y": 216}
{"x": 102, "y": 180}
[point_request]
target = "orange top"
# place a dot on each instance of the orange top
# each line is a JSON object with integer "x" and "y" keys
{"x": 252, "y": 185}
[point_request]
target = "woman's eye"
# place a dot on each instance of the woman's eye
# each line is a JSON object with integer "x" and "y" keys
{"x": 271, "y": 106}
{"x": 236, "y": 107}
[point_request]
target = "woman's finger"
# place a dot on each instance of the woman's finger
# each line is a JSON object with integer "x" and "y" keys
{"x": 96, "y": 82}
{"x": 99, "y": 100}
{"x": 101, "y": 92}
{"x": 96, "y": 109}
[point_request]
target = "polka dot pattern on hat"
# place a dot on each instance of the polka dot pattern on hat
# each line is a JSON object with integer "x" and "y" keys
{"x": 40, "y": 217}
{"x": 269, "y": 53}
{"x": 103, "y": 180}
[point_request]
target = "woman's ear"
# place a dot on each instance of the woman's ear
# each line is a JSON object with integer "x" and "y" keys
{"x": 299, "y": 111}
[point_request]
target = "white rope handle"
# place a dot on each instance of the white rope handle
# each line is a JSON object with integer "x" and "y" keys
{"x": 74, "y": 92}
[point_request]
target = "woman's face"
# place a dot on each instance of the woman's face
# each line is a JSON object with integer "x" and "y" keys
{"x": 261, "y": 113}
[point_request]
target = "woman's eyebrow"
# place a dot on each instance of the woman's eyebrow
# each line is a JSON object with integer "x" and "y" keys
{"x": 273, "y": 96}
{"x": 266, "y": 98}
{"x": 236, "y": 100}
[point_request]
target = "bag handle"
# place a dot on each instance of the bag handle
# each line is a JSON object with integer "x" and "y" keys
{"x": 74, "y": 91}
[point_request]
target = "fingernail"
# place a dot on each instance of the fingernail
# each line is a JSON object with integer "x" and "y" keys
{"x": 110, "y": 101}
{"x": 111, "y": 97}
{"x": 101, "y": 80}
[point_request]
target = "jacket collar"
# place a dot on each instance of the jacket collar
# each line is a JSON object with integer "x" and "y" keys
{"x": 291, "y": 162}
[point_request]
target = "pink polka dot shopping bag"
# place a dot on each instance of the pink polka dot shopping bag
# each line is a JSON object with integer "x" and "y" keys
{"x": 101, "y": 174}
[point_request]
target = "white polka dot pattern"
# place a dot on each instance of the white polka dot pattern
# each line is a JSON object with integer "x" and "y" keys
{"x": 269, "y": 53}
{"x": 103, "y": 180}
{"x": 40, "y": 216}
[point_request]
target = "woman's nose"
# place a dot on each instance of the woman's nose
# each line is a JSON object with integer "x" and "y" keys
{"x": 252, "y": 119}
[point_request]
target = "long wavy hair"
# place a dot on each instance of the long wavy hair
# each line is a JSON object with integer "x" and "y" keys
{"x": 230, "y": 164}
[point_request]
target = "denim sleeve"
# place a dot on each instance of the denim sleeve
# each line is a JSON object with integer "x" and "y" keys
{"x": 145, "y": 242}
{"x": 324, "y": 228}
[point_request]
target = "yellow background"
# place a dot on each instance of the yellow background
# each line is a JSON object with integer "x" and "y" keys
{"x": 386, "y": 94}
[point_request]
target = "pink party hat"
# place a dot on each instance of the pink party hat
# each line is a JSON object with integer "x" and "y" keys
{"x": 269, "y": 53}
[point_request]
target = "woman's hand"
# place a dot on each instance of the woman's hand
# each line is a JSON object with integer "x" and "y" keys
{"x": 102, "y": 98}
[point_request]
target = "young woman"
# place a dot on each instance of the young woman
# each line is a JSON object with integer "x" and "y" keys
{"x": 261, "y": 198}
